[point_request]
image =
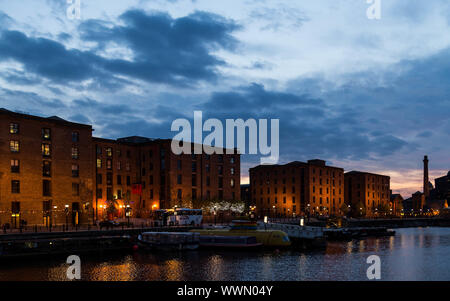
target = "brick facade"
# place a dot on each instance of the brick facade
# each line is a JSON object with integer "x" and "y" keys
{"x": 372, "y": 191}
{"x": 297, "y": 188}
{"x": 60, "y": 173}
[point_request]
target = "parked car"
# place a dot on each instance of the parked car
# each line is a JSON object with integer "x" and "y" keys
{"x": 108, "y": 224}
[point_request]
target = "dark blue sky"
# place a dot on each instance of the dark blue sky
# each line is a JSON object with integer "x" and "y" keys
{"x": 362, "y": 94}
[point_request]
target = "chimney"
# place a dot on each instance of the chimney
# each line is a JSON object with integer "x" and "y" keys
{"x": 426, "y": 187}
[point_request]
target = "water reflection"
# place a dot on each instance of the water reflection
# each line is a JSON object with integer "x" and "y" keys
{"x": 413, "y": 254}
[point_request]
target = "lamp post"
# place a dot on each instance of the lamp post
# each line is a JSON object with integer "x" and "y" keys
{"x": 128, "y": 214}
{"x": 66, "y": 210}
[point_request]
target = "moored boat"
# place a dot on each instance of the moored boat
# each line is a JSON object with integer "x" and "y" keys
{"x": 169, "y": 241}
{"x": 229, "y": 242}
{"x": 268, "y": 238}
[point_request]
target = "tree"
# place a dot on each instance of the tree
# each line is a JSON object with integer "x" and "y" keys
{"x": 360, "y": 209}
{"x": 344, "y": 209}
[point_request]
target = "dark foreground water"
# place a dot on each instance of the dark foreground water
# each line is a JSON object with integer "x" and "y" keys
{"x": 413, "y": 254}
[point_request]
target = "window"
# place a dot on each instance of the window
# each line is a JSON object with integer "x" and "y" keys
{"x": 151, "y": 180}
{"x": 119, "y": 153}
{"x": 179, "y": 179}
{"x": 151, "y": 194}
{"x": 13, "y": 128}
{"x": 75, "y": 153}
{"x": 75, "y": 171}
{"x": 128, "y": 181}
{"x": 119, "y": 180}
{"x": 220, "y": 167}
{"x": 15, "y": 186}
{"x": 220, "y": 182}
{"x": 194, "y": 180}
{"x": 46, "y": 134}
{"x": 232, "y": 183}
{"x": 15, "y": 166}
{"x": 47, "y": 169}
{"x": 208, "y": 181}
{"x": 194, "y": 166}
{"x": 179, "y": 194}
{"x": 119, "y": 194}
{"x": 46, "y": 150}
{"x": 99, "y": 179}
{"x": 179, "y": 164}
{"x": 75, "y": 189}
{"x": 46, "y": 188}
{"x": 75, "y": 137}
{"x": 14, "y": 146}
{"x": 15, "y": 207}
{"x": 119, "y": 165}
{"x": 232, "y": 171}
{"x": 127, "y": 166}
{"x": 99, "y": 163}
{"x": 109, "y": 152}
{"x": 109, "y": 178}
{"x": 232, "y": 160}
{"x": 109, "y": 164}
{"x": 220, "y": 158}
{"x": 99, "y": 193}
{"x": 99, "y": 150}
{"x": 194, "y": 194}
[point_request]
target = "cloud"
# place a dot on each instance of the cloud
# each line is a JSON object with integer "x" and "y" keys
{"x": 164, "y": 50}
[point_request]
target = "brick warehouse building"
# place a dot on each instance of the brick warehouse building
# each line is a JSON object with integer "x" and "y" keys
{"x": 297, "y": 188}
{"x": 372, "y": 191}
{"x": 54, "y": 171}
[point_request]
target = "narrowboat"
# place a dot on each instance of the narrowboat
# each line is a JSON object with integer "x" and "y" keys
{"x": 169, "y": 241}
{"x": 229, "y": 242}
{"x": 268, "y": 238}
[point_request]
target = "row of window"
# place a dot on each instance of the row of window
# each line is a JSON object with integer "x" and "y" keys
{"x": 46, "y": 188}
{"x": 14, "y": 128}
{"x": 14, "y": 147}
{"x": 46, "y": 168}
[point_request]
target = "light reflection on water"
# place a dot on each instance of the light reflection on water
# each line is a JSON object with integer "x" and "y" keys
{"x": 413, "y": 254}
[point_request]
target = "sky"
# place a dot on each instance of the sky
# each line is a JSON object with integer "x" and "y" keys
{"x": 362, "y": 94}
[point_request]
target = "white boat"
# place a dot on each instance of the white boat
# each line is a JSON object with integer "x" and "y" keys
{"x": 169, "y": 241}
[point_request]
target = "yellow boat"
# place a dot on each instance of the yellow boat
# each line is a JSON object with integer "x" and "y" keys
{"x": 269, "y": 238}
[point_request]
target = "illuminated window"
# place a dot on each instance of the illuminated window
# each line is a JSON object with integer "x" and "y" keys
{"x": 232, "y": 171}
{"x": 109, "y": 151}
{"x": 13, "y": 128}
{"x": 46, "y": 150}
{"x": 232, "y": 183}
{"x": 15, "y": 166}
{"x": 109, "y": 164}
{"x": 99, "y": 163}
{"x": 14, "y": 146}
{"x": 46, "y": 134}
{"x": 75, "y": 153}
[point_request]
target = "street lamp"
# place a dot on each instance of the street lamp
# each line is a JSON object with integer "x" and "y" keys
{"x": 66, "y": 210}
{"x": 128, "y": 214}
